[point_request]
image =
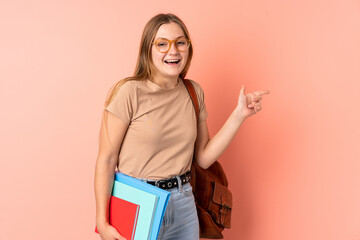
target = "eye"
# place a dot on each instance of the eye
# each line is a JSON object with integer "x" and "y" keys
{"x": 181, "y": 42}
{"x": 162, "y": 43}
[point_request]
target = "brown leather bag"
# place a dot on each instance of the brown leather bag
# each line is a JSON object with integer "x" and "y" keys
{"x": 212, "y": 197}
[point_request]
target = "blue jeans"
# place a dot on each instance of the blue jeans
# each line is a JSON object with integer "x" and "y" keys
{"x": 180, "y": 219}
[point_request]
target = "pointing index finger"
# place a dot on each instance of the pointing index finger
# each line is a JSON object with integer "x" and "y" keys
{"x": 263, "y": 92}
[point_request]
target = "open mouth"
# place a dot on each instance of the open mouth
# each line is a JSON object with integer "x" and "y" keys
{"x": 172, "y": 62}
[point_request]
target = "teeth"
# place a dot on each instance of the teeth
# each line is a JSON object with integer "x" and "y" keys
{"x": 172, "y": 61}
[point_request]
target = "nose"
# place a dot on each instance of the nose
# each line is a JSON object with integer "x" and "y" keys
{"x": 173, "y": 49}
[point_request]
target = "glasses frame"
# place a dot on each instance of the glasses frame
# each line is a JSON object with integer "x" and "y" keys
{"x": 170, "y": 43}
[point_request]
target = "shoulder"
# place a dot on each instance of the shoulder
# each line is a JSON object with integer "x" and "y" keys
{"x": 196, "y": 84}
{"x": 130, "y": 84}
{"x": 197, "y": 87}
{"x": 124, "y": 91}
{"x": 129, "y": 87}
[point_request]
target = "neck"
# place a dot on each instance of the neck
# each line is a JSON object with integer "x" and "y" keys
{"x": 166, "y": 83}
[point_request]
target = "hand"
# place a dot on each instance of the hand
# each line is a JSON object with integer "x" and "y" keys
{"x": 249, "y": 104}
{"x": 108, "y": 232}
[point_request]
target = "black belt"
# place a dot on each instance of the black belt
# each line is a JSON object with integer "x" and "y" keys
{"x": 171, "y": 182}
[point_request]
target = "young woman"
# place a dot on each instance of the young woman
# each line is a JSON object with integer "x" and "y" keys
{"x": 149, "y": 128}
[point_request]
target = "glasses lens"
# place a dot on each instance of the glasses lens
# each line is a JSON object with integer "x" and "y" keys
{"x": 182, "y": 44}
{"x": 162, "y": 45}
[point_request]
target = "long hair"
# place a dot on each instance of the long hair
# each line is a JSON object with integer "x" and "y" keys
{"x": 144, "y": 65}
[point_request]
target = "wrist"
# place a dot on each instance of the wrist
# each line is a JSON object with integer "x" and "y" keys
{"x": 238, "y": 116}
{"x": 100, "y": 223}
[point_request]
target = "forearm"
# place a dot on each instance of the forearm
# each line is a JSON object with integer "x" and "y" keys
{"x": 217, "y": 145}
{"x": 104, "y": 178}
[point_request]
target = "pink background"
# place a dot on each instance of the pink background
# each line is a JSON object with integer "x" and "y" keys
{"x": 293, "y": 168}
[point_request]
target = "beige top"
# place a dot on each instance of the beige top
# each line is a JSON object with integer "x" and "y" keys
{"x": 159, "y": 142}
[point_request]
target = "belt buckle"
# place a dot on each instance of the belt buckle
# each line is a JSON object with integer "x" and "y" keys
{"x": 173, "y": 182}
{"x": 161, "y": 184}
{"x": 166, "y": 184}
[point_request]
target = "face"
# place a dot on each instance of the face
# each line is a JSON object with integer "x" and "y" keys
{"x": 164, "y": 69}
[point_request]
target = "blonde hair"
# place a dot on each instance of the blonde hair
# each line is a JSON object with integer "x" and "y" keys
{"x": 144, "y": 65}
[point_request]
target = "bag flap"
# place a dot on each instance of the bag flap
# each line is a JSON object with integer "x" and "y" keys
{"x": 222, "y": 195}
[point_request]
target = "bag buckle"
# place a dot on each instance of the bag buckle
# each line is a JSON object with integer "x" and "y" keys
{"x": 223, "y": 211}
{"x": 224, "y": 208}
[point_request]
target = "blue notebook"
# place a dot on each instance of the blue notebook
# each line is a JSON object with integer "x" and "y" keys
{"x": 163, "y": 198}
{"x": 147, "y": 203}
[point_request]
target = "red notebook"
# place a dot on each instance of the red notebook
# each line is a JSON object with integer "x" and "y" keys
{"x": 123, "y": 216}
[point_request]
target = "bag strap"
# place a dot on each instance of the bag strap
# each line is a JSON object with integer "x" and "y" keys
{"x": 190, "y": 88}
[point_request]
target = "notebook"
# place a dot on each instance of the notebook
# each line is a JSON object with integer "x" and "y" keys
{"x": 123, "y": 216}
{"x": 146, "y": 201}
{"x": 163, "y": 198}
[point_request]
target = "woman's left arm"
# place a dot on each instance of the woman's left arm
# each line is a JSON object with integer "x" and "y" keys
{"x": 207, "y": 150}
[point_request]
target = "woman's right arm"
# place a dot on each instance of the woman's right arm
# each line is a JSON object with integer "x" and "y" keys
{"x": 109, "y": 145}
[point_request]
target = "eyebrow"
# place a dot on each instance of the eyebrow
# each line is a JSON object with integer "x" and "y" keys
{"x": 168, "y": 39}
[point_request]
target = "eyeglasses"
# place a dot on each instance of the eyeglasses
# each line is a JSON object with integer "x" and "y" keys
{"x": 163, "y": 45}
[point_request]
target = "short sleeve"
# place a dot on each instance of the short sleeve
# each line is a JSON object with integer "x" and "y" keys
{"x": 201, "y": 97}
{"x": 122, "y": 105}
